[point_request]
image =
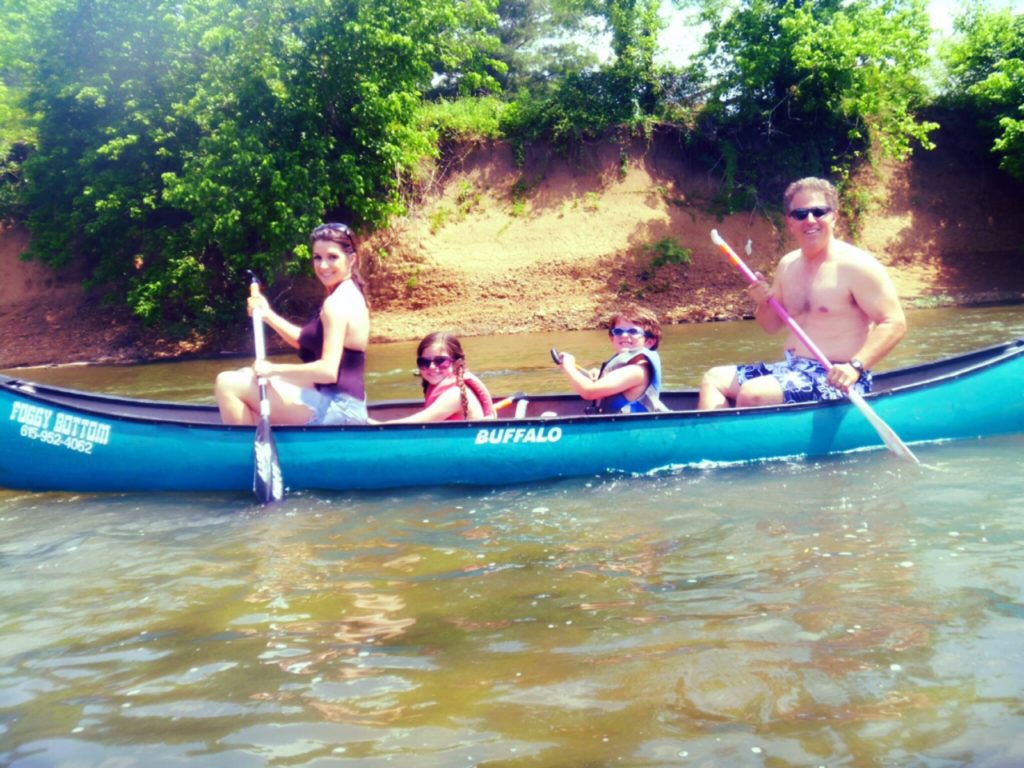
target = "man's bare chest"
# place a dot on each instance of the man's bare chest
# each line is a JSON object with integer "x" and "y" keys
{"x": 819, "y": 290}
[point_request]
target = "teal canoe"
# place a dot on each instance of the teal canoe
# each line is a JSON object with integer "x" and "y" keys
{"x": 54, "y": 439}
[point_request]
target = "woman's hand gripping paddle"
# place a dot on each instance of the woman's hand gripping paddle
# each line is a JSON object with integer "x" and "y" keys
{"x": 891, "y": 439}
{"x": 267, "y": 482}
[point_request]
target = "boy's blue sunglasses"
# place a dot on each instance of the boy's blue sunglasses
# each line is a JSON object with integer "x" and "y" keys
{"x": 630, "y": 332}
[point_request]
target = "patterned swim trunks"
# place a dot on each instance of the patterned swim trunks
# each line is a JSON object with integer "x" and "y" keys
{"x": 803, "y": 380}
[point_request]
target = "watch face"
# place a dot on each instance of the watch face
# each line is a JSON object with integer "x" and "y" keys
{"x": 857, "y": 364}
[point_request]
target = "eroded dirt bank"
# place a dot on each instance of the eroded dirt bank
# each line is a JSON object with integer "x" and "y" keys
{"x": 492, "y": 248}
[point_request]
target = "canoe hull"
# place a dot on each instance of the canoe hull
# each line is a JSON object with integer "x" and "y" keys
{"x": 60, "y": 440}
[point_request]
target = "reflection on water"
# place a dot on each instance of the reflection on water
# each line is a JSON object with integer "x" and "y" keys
{"x": 852, "y": 611}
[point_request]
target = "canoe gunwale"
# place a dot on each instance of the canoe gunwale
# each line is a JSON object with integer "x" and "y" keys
{"x": 145, "y": 411}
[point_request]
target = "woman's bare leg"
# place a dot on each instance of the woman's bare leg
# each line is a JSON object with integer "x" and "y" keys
{"x": 238, "y": 399}
{"x": 237, "y": 396}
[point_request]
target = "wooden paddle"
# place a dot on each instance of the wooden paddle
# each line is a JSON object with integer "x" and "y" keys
{"x": 889, "y": 437}
{"x": 267, "y": 483}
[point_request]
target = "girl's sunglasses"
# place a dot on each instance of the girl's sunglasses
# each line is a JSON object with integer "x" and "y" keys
{"x": 802, "y": 213}
{"x": 440, "y": 362}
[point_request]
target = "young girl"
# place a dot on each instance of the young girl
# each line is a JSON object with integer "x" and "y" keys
{"x": 327, "y": 386}
{"x": 628, "y": 382}
{"x": 452, "y": 393}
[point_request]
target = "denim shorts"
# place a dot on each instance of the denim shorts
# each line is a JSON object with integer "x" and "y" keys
{"x": 332, "y": 408}
{"x": 802, "y": 379}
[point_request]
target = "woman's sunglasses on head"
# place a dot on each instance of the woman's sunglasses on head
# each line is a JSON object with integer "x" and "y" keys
{"x": 332, "y": 226}
{"x": 802, "y": 213}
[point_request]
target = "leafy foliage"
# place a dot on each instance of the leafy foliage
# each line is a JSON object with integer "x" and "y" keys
{"x": 668, "y": 251}
{"x": 986, "y": 79}
{"x": 472, "y": 118}
{"x": 539, "y": 43}
{"x": 180, "y": 143}
{"x": 587, "y": 103}
{"x": 800, "y": 88}
{"x": 665, "y": 251}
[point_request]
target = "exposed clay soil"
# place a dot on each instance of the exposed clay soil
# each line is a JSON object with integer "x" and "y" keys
{"x": 493, "y": 248}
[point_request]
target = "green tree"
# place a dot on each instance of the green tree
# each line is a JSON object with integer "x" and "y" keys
{"x": 182, "y": 141}
{"x": 537, "y": 44}
{"x": 634, "y": 27}
{"x": 985, "y": 62}
{"x": 18, "y": 19}
{"x": 795, "y": 88}
{"x": 587, "y": 103}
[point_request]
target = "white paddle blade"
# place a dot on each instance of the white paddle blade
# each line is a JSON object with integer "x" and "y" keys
{"x": 267, "y": 482}
{"x": 891, "y": 439}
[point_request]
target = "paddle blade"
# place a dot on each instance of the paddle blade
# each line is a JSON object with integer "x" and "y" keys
{"x": 891, "y": 439}
{"x": 267, "y": 482}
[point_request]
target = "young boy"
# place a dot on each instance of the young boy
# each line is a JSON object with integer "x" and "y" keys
{"x": 628, "y": 382}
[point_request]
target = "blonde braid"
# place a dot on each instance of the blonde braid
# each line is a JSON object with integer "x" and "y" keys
{"x": 460, "y": 370}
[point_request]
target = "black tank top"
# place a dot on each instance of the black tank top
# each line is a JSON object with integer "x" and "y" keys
{"x": 351, "y": 370}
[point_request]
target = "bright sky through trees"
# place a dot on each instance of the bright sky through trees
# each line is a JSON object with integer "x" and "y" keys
{"x": 679, "y": 40}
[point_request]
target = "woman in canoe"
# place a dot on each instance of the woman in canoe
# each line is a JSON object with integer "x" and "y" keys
{"x": 326, "y": 387}
{"x": 629, "y": 381}
{"x": 452, "y": 393}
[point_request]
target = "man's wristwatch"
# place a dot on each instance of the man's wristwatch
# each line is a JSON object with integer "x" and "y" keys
{"x": 857, "y": 365}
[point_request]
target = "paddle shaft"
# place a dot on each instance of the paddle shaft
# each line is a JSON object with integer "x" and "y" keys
{"x": 261, "y": 350}
{"x": 268, "y": 485}
{"x": 508, "y": 400}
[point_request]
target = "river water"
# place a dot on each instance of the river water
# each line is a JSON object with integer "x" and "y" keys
{"x": 846, "y": 612}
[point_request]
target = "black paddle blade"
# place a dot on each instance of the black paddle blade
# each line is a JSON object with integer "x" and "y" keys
{"x": 267, "y": 483}
{"x": 556, "y": 356}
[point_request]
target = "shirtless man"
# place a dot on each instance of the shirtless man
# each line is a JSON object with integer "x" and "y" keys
{"x": 840, "y": 295}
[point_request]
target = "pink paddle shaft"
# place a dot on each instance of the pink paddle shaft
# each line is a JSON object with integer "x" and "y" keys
{"x": 779, "y": 309}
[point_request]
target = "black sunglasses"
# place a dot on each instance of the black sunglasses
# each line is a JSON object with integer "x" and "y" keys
{"x": 802, "y": 213}
{"x": 440, "y": 362}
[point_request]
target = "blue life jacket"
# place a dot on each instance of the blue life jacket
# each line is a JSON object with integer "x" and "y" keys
{"x": 648, "y": 401}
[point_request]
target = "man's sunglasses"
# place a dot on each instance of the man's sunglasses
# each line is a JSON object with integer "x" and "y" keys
{"x": 440, "y": 362}
{"x": 802, "y": 213}
{"x": 630, "y": 332}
